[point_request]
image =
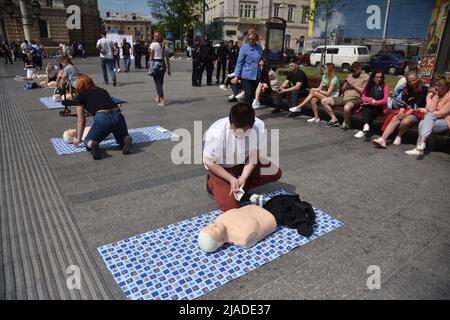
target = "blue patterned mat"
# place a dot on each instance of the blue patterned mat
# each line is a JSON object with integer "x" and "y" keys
{"x": 167, "y": 263}
{"x": 51, "y": 104}
{"x": 139, "y": 135}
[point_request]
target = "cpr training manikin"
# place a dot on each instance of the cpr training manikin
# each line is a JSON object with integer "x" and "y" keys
{"x": 247, "y": 225}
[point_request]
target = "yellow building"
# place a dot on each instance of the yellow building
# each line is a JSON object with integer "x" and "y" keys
{"x": 138, "y": 27}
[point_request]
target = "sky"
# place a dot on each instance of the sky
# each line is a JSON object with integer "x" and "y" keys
{"x": 124, "y": 6}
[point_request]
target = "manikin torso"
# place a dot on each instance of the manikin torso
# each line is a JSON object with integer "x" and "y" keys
{"x": 243, "y": 226}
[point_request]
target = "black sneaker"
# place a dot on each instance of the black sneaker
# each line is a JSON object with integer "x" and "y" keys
{"x": 127, "y": 145}
{"x": 332, "y": 124}
{"x": 95, "y": 150}
{"x": 294, "y": 114}
{"x": 234, "y": 99}
{"x": 276, "y": 110}
{"x": 114, "y": 84}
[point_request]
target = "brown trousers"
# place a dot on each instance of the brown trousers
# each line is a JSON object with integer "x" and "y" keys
{"x": 221, "y": 188}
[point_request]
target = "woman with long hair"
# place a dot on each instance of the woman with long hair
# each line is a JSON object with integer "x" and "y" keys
{"x": 116, "y": 57}
{"x": 107, "y": 116}
{"x": 329, "y": 87}
{"x": 159, "y": 62}
{"x": 267, "y": 82}
{"x": 411, "y": 100}
{"x": 437, "y": 114}
{"x": 374, "y": 101}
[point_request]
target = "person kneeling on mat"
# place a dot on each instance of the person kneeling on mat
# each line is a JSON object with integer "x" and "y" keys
{"x": 245, "y": 226}
{"x": 107, "y": 118}
{"x": 232, "y": 156}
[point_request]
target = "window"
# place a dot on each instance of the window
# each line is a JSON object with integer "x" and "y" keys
{"x": 276, "y": 10}
{"x": 333, "y": 51}
{"x": 305, "y": 14}
{"x": 290, "y": 12}
{"x": 43, "y": 28}
{"x": 363, "y": 51}
{"x": 318, "y": 50}
{"x": 230, "y": 32}
{"x": 109, "y": 28}
{"x": 247, "y": 10}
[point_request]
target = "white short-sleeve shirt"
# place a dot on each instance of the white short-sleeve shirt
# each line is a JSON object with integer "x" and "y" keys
{"x": 224, "y": 148}
{"x": 106, "y": 48}
{"x": 157, "y": 50}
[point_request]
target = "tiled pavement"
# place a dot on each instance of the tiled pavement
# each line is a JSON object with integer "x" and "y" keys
{"x": 55, "y": 211}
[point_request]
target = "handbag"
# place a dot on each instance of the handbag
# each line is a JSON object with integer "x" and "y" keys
{"x": 157, "y": 66}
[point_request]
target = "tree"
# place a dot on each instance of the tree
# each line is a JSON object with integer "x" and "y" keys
{"x": 177, "y": 16}
{"x": 327, "y": 7}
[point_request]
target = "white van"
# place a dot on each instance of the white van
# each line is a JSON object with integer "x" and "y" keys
{"x": 341, "y": 56}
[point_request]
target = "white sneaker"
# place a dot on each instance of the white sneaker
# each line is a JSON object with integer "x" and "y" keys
{"x": 231, "y": 97}
{"x": 295, "y": 109}
{"x": 414, "y": 152}
{"x": 366, "y": 128}
{"x": 115, "y": 70}
{"x": 240, "y": 95}
{"x": 118, "y": 70}
{"x": 222, "y": 86}
{"x": 256, "y": 104}
{"x": 359, "y": 134}
{"x": 421, "y": 146}
{"x": 161, "y": 104}
{"x": 313, "y": 120}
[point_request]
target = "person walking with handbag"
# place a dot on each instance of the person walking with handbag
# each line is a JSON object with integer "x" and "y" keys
{"x": 159, "y": 62}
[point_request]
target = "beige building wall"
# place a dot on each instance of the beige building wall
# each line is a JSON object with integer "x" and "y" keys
{"x": 129, "y": 24}
{"x": 239, "y": 16}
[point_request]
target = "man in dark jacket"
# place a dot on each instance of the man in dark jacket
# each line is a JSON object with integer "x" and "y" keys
{"x": 207, "y": 54}
{"x": 222, "y": 56}
{"x": 233, "y": 54}
{"x": 197, "y": 64}
{"x": 137, "y": 48}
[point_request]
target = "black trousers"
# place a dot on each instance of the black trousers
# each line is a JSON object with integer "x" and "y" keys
{"x": 209, "y": 66}
{"x": 137, "y": 62}
{"x": 249, "y": 86}
{"x": 221, "y": 65}
{"x": 196, "y": 72}
{"x": 370, "y": 113}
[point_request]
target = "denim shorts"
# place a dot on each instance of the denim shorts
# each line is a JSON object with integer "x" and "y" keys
{"x": 106, "y": 123}
{"x": 413, "y": 117}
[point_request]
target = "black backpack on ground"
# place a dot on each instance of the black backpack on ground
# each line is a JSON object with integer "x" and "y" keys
{"x": 293, "y": 213}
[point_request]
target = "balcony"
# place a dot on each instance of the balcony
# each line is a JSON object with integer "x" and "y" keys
{"x": 250, "y": 20}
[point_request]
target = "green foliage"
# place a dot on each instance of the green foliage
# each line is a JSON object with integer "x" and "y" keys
{"x": 175, "y": 15}
{"x": 322, "y": 6}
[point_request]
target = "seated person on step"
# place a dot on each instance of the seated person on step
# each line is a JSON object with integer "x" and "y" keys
{"x": 351, "y": 98}
{"x": 329, "y": 87}
{"x": 295, "y": 85}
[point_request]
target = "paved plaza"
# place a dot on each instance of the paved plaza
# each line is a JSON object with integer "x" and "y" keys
{"x": 56, "y": 211}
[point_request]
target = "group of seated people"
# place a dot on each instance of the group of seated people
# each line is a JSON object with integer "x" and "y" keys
{"x": 411, "y": 102}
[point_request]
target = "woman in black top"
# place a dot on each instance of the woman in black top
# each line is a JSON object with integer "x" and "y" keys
{"x": 107, "y": 118}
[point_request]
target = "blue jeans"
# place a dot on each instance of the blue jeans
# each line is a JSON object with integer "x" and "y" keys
{"x": 295, "y": 97}
{"x": 127, "y": 62}
{"x": 106, "y": 123}
{"x": 108, "y": 64}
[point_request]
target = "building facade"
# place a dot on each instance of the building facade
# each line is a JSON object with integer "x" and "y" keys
{"x": 132, "y": 24}
{"x": 50, "y": 27}
{"x": 237, "y": 16}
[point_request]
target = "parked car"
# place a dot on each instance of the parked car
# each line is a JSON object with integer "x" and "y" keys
{"x": 342, "y": 56}
{"x": 305, "y": 59}
{"x": 389, "y": 63}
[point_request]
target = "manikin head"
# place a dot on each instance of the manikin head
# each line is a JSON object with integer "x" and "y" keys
{"x": 211, "y": 237}
{"x": 69, "y": 135}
